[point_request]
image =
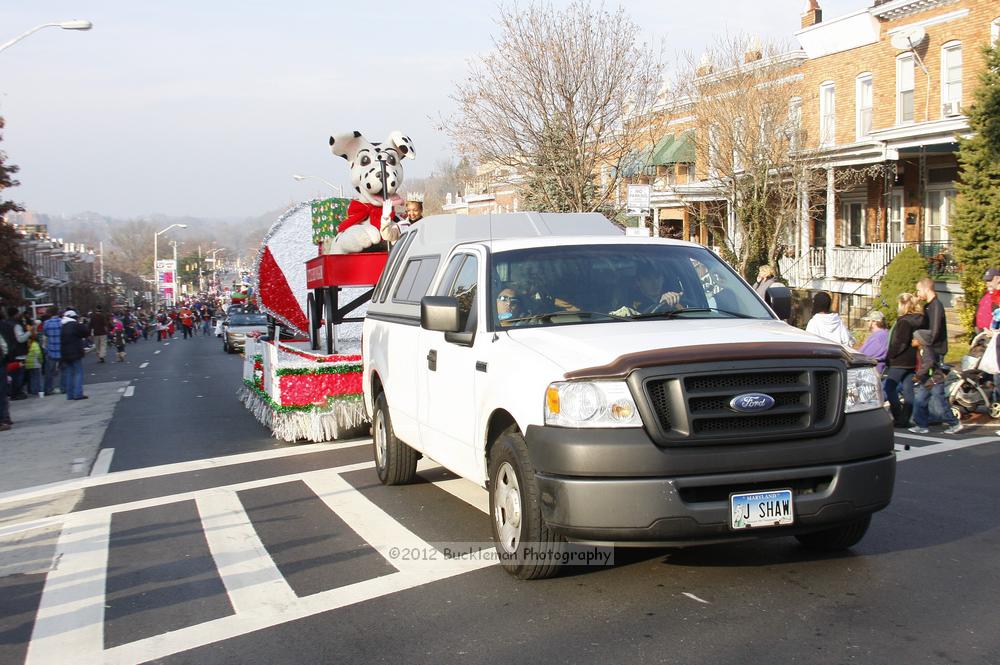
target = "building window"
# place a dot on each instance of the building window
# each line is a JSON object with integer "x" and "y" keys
{"x": 739, "y": 137}
{"x": 951, "y": 76}
{"x": 713, "y": 151}
{"x": 794, "y": 122}
{"x": 904, "y": 88}
{"x": 995, "y": 32}
{"x": 827, "y": 115}
{"x": 863, "y": 102}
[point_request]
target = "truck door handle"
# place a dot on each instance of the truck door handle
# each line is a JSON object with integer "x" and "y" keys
{"x": 432, "y": 360}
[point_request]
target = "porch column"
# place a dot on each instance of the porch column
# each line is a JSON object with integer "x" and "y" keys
{"x": 831, "y": 220}
{"x": 685, "y": 224}
{"x": 804, "y": 219}
{"x": 656, "y": 222}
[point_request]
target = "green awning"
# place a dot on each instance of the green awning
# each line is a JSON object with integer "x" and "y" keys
{"x": 680, "y": 149}
{"x": 632, "y": 165}
{"x": 661, "y": 150}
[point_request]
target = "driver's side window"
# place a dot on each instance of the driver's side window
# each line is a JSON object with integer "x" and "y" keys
{"x": 460, "y": 283}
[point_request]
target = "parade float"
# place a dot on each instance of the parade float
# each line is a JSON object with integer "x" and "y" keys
{"x": 313, "y": 276}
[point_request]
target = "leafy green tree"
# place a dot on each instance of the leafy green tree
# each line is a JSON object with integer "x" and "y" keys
{"x": 14, "y": 272}
{"x": 975, "y": 229}
{"x": 901, "y": 276}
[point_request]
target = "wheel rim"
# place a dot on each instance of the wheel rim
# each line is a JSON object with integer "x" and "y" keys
{"x": 507, "y": 508}
{"x": 995, "y": 410}
{"x": 380, "y": 439}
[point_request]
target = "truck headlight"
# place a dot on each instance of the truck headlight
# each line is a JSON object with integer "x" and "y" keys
{"x": 864, "y": 390}
{"x": 590, "y": 404}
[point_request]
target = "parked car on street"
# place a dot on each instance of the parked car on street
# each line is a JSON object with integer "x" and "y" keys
{"x": 237, "y": 326}
{"x": 614, "y": 389}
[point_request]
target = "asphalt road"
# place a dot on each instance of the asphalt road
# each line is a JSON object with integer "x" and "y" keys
{"x": 217, "y": 545}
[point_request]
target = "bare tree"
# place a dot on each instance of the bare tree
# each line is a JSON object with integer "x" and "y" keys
{"x": 557, "y": 99}
{"x": 749, "y": 141}
{"x": 132, "y": 247}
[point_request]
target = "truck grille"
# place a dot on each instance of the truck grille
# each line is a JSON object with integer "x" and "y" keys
{"x": 694, "y": 406}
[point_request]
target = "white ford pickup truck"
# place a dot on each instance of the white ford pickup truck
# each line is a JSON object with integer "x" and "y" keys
{"x": 611, "y": 389}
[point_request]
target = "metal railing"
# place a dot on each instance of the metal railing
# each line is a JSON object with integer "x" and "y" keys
{"x": 866, "y": 263}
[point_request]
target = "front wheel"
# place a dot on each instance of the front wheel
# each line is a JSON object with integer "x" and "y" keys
{"x": 395, "y": 462}
{"x": 838, "y": 538}
{"x": 528, "y": 549}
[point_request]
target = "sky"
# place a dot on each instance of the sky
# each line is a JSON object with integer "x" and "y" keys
{"x": 206, "y": 109}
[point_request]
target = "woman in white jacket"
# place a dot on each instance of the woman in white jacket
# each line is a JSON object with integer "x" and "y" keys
{"x": 827, "y": 324}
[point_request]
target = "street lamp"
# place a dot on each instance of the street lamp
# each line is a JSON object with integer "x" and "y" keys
{"x": 215, "y": 273}
{"x": 65, "y": 25}
{"x": 156, "y": 273}
{"x": 340, "y": 190}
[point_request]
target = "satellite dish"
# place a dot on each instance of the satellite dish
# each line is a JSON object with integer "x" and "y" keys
{"x": 908, "y": 38}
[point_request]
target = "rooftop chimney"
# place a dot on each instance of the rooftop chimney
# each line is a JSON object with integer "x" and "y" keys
{"x": 812, "y": 14}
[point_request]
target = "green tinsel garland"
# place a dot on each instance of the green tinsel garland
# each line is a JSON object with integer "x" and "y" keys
{"x": 298, "y": 407}
{"x": 328, "y": 369}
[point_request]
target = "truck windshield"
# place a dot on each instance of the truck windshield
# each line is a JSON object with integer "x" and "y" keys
{"x": 577, "y": 284}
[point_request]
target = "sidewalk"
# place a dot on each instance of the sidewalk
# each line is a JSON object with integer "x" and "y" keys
{"x": 54, "y": 438}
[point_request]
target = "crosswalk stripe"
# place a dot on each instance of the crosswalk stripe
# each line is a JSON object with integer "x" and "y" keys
{"x": 70, "y": 617}
{"x": 251, "y": 578}
{"x": 944, "y": 447}
{"x": 369, "y": 521}
{"x": 460, "y": 488}
{"x": 172, "y": 498}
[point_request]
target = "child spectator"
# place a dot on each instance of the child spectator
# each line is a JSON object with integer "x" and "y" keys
{"x": 929, "y": 385}
{"x": 33, "y": 364}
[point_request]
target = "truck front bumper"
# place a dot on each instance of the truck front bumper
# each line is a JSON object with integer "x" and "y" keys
{"x": 646, "y": 494}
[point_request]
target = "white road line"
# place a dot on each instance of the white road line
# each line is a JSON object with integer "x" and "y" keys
{"x": 103, "y": 462}
{"x": 155, "y": 352}
{"x": 694, "y": 597}
{"x": 129, "y": 391}
{"x": 166, "y": 344}
{"x": 70, "y": 618}
{"x": 945, "y": 447}
{"x": 144, "y": 365}
{"x": 177, "y": 467}
{"x": 369, "y": 521}
{"x": 121, "y": 390}
{"x": 373, "y": 524}
{"x": 11, "y": 529}
{"x": 210, "y": 632}
{"x": 460, "y": 488}
{"x": 251, "y": 577}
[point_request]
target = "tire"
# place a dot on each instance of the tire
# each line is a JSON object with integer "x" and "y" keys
{"x": 516, "y": 514}
{"x": 995, "y": 410}
{"x": 395, "y": 462}
{"x": 838, "y": 538}
{"x": 958, "y": 411}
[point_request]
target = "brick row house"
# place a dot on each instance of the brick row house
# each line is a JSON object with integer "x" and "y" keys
{"x": 879, "y": 119}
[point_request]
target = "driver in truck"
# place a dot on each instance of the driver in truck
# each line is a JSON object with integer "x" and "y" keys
{"x": 650, "y": 295}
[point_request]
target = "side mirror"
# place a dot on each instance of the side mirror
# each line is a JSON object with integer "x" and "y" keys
{"x": 440, "y": 313}
{"x": 779, "y": 297}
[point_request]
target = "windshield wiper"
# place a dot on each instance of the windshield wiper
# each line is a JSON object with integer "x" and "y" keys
{"x": 674, "y": 312}
{"x": 548, "y": 316}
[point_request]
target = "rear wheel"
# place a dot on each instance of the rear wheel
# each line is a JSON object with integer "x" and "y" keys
{"x": 528, "y": 549}
{"x": 837, "y": 538}
{"x": 995, "y": 410}
{"x": 395, "y": 462}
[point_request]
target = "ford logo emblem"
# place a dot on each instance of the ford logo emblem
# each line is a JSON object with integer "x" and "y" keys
{"x": 751, "y": 402}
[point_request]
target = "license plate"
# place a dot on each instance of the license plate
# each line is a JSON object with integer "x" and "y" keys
{"x": 755, "y": 509}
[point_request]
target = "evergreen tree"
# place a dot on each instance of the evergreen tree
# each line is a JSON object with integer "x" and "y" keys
{"x": 14, "y": 272}
{"x": 901, "y": 276}
{"x": 975, "y": 228}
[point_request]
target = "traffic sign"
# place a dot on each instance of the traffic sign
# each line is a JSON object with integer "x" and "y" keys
{"x": 638, "y": 196}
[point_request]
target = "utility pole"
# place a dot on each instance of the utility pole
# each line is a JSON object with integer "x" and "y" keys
{"x": 177, "y": 276}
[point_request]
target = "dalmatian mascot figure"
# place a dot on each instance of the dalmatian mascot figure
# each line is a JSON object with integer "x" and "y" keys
{"x": 376, "y": 174}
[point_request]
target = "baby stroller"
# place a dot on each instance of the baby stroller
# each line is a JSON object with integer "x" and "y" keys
{"x": 970, "y": 389}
